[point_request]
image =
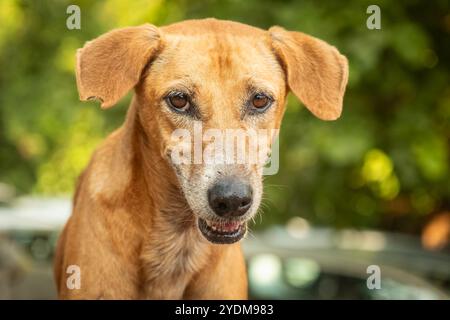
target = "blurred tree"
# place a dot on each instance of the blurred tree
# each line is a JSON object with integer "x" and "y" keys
{"x": 384, "y": 164}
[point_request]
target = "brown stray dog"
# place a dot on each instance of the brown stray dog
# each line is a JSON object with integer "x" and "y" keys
{"x": 144, "y": 227}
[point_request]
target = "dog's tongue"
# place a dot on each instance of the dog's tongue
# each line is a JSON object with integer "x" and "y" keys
{"x": 230, "y": 226}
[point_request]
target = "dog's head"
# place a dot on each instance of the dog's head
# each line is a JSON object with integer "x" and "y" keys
{"x": 204, "y": 83}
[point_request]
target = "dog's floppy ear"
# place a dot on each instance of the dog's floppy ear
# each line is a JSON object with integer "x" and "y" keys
{"x": 316, "y": 72}
{"x": 110, "y": 65}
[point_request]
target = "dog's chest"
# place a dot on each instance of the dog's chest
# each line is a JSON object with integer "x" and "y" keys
{"x": 170, "y": 260}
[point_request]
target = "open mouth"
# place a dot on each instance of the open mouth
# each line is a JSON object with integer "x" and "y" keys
{"x": 222, "y": 232}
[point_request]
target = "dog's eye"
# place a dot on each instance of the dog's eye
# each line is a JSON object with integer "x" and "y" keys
{"x": 260, "y": 102}
{"x": 179, "y": 101}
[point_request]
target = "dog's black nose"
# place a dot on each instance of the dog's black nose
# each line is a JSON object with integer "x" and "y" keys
{"x": 230, "y": 197}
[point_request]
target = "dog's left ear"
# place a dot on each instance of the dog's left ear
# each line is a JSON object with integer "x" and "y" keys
{"x": 316, "y": 72}
{"x": 109, "y": 66}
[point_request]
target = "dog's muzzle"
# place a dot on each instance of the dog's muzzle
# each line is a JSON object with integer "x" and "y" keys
{"x": 229, "y": 198}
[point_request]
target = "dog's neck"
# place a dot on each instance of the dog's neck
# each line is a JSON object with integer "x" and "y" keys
{"x": 172, "y": 247}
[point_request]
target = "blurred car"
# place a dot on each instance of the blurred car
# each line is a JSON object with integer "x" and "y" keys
{"x": 295, "y": 261}
{"x": 300, "y": 262}
{"x": 28, "y": 231}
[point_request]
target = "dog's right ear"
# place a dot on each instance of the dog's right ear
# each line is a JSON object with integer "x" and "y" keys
{"x": 109, "y": 66}
{"x": 316, "y": 72}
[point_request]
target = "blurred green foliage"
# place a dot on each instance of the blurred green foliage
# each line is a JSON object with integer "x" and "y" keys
{"x": 384, "y": 164}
